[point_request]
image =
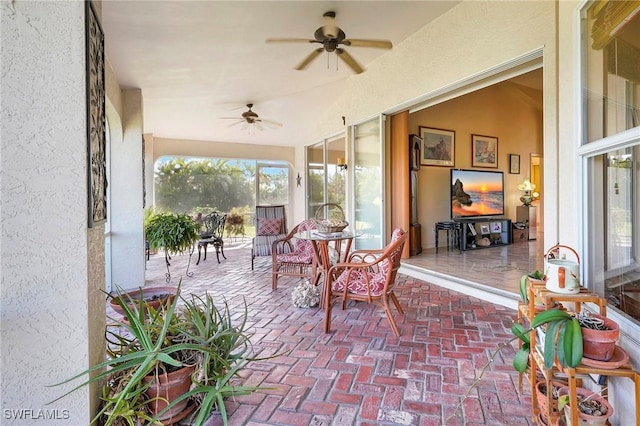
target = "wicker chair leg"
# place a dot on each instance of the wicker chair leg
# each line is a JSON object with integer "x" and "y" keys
{"x": 392, "y": 321}
{"x": 396, "y": 303}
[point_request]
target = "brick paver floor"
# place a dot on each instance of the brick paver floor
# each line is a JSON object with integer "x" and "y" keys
{"x": 360, "y": 373}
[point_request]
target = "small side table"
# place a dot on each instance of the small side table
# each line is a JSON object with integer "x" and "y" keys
{"x": 454, "y": 230}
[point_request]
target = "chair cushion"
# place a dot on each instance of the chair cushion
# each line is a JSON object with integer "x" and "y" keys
{"x": 358, "y": 284}
{"x": 269, "y": 226}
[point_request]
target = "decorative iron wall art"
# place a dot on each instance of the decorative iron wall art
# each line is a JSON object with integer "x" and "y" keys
{"x": 96, "y": 143}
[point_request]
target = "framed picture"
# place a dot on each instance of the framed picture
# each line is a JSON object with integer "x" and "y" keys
{"x": 514, "y": 164}
{"x": 496, "y": 227}
{"x": 96, "y": 136}
{"x": 484, "y": 151}
{"x": 484, "y": 229}
{"x": 438, "y": 147}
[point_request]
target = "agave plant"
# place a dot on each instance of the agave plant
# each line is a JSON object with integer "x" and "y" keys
{"x": 148, "y": 341}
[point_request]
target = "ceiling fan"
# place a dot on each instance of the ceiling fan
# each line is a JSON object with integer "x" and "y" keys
{"x": 330, "y": 36}
{"x": 250, "y": 119}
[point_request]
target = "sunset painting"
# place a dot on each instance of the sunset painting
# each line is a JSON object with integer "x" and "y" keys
{"x": 476, "y": 193}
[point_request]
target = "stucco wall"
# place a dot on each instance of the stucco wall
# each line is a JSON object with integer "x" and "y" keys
{"x": 49, "y": 298}
{"x": 125, "y": 186}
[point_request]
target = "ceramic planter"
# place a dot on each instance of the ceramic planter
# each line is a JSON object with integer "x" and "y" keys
{"x": 167, "y": 387}
{"x": 542, "y": 398}
{"x": 586, "y": 419}
{"x": 600, "y": 344}
{"x": 153, "y": 297}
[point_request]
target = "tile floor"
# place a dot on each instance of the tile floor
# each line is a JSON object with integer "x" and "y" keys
{"x": 360, "y": 373}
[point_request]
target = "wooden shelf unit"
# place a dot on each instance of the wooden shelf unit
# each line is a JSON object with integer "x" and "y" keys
{"x": 573, "y": 376}
{"x": 497, "y": 230}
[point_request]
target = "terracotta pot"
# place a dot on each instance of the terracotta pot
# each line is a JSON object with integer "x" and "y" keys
{"x": 600, "y": 344}
{"x": 165, "y": 388}
{"x": 542, "y": 399}
{"x": 586, "y": 419}
{"x": 151, "y": 295}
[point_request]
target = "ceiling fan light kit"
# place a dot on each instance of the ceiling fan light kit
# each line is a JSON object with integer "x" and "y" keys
{"x": 330, "y": 36}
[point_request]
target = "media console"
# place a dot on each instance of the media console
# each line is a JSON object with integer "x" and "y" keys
{"x": 484, "y": 232}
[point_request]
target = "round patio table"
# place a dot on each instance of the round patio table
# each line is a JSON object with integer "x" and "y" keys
{"x": 320, "y": 242}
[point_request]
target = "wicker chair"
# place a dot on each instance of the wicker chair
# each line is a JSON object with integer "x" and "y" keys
{"x": 266, "y": 233}
{"x": 294, "y": 257}
{"x": 367, "y": 276}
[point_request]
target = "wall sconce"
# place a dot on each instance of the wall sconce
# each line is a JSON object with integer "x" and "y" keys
{"x": 342, "y": 165}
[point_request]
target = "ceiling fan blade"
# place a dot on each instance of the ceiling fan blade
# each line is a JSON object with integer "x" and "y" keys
{"x": 234, "y": 124}
{"x": 348, "y": 59}
{"x": 309, "y": 58}
{"x": 290, "y": 40}
{"x": 271, "y": 123}
{"x": 230, "y": 118}
{"x": 380, "y": 44}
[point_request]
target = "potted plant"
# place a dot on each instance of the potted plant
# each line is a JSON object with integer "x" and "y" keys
{"x": 175, "y": 233}
{"x": 149, "y": 345}
{"x": 542, "y": 397}
{"x": 600, "y": 335}
{"x": 592, "y": 409}
{"x": 149, "y": 296}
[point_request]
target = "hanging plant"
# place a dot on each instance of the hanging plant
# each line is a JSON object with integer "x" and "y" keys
{"x": 175, "y": 233}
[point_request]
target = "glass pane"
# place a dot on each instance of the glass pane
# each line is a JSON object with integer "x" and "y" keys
{"x": 611, "y": 46}
{"x": 368, "y": 185}
{"x": 336, "y": 175}
{"x": 273, "y": 184}
{"x": 613, "y": 232}
{"x": 315, "y": 178}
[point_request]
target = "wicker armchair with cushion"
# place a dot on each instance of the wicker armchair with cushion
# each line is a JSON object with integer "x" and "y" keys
{"x": 294, "y": 257}
{"x": 367, "y": 276}
{"x": 271, "y": 225}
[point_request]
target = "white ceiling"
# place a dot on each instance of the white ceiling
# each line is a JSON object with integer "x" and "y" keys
{"x": 197, "y": 61}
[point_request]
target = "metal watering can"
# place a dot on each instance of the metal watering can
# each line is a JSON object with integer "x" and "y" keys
{"x": 563, "y": 276}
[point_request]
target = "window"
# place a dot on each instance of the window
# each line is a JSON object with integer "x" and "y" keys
{"x": 611, "y": 116}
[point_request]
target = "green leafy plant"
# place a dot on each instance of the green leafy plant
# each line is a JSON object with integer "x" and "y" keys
{"x": 563, "y": 340}
{"x": 537, "y": 275}
{"x": 149, "y": 342}
{"x": 175, "y": 233}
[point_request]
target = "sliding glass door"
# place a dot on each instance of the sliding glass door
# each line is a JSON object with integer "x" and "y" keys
{"x": 325, "y": 177}
{"x": 368, "y": 184}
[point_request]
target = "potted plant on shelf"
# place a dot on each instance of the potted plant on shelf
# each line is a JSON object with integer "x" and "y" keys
{"x": 592, "y": 409}
{"x": 175, "y": 233}
{"x": 149, "y": 346}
